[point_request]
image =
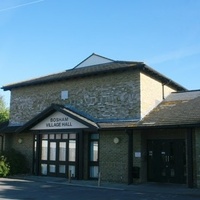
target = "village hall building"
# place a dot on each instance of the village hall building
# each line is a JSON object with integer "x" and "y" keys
{"x": 119, "y": 119}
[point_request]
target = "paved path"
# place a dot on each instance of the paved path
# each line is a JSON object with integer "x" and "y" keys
{"x": 35, "y": 187}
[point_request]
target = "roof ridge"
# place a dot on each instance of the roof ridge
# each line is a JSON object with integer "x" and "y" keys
{"x": 93, "y": 54}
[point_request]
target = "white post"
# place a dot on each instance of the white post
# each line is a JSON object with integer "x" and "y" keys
{"x": 70, "y": 174}
{"x": 99, "y": 179}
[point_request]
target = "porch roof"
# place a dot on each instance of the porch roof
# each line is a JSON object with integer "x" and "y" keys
{"x": 5, "y": 128}
{"x": 178, "y": 109}
{"x": 60, "y": 108}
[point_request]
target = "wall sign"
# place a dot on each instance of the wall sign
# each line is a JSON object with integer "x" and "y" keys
{"x": 58, "y": 120}
{"x": 137, "y": 154}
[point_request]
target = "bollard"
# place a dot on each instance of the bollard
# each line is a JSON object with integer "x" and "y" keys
{"x": 99, "y": 179}
{"x": 70, "y": 173}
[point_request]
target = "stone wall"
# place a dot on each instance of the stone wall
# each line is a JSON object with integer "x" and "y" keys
{"x": 113, "y": 158}
{"x": 25, "y": 147}
{"x": 105, "y": 96}
{"x": 123, "y": 95}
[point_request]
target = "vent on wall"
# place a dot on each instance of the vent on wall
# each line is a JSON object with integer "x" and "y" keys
{"x": 64, "y": 95}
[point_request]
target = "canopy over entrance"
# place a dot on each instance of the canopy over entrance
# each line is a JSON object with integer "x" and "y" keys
{"x": 59, "y": 117}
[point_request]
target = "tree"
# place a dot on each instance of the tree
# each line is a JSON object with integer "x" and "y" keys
{"x": 4, "y": 111}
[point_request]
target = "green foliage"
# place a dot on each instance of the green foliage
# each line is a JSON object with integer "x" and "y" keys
{"x": 17, "y": 162}
{"x": 4, "y": 111}
{"x": 4, "y": 167}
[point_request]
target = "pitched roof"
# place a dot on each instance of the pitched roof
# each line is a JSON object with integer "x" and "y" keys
{"x": 108, "y": 67}
{"x": 178, "y": 109}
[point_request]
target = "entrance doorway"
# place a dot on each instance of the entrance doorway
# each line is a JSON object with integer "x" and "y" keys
{"x": 166, "y": 160}
{"x": 57, "y": 154}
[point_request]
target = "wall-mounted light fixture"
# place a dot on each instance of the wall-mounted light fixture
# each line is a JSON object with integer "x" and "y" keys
{"x": 116, "y": 140}
{"x": 20, "y": 140}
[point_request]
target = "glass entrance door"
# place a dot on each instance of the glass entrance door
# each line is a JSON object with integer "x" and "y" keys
{"x": 167, "y": 161}
{"x": 58, "y": 155}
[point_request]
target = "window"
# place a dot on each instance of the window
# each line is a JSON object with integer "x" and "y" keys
{"x": 94, "y": 170}
{"x": 44, "y": 169}
{"x": 94, "y": 156}
{"x": 44, "y": 150}
{"x": 94, "y": 151}
{"x": 62, "y": 151}
{"x": 72, "y": 150}
{"x": 52, "y": 151}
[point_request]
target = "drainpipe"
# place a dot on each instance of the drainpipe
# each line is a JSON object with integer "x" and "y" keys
{"x": 130, "y": 155}
{"x": 163, "y": 91}
{"x": 1, "y": 143}
{"x": 190, "y": 178}
{"x": 163, "y": 88}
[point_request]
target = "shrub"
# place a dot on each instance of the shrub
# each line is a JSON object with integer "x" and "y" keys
{"x": 4, "y": 167}
{"x": 17, "y": 162}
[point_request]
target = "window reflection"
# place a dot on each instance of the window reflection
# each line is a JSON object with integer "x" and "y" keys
{"x": 72, "y": 170}
{"x": 72, "y": 150}
{"x": 58, "y": 136}
{"x": 51, "y": 136}
{"x": 62, "y": 169}
{"x": 52, "y": 168}
{"x": 52, "y": 151}
{"x": 62, "y": 151}
{"x": 44, "y": 169}
{"x": 44, "y": 150}
{"x": 94, "y": 170}
{"x": 94, "y": 151}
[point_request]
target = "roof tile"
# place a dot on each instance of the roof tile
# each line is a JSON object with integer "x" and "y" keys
{"x": 180, "y": 108}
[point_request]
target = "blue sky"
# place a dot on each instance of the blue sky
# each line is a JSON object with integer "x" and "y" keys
{"x": 41, "y": 37}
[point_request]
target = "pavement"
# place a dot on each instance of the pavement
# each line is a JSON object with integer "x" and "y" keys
{"x": 138, "y": 188}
